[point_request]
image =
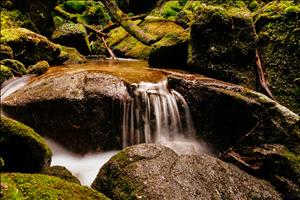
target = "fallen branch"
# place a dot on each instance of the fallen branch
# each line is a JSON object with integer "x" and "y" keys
{"x": 261, "y": 75}
{"x": 122, "y": 19}
{"x": 238, "y": 142}
{"x": 114, "y": 25}
{"x": 75, "y": 19}
{"x": 111, "y": 53}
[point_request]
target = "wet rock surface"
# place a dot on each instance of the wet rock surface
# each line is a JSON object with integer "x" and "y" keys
{"x": 149, "y": 171}
{"x": 21, "y": 148}
{"x": 75, "y": 109}
{"x": 246, "y": 128}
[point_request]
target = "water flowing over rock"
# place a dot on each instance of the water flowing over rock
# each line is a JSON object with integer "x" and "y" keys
{"x": 150, "y": 171}
{"x": 152, "y": 114}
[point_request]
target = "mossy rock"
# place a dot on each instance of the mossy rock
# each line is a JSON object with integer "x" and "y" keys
{"x": 5, "y": 73}
{"x": 6, "y": 52}
{"x": 74, "y": 57}
{"x": 149, "y": 171}
{"x": 29, "y": 47}
{"x": 75, "y": 6}
{"x": 21, "y": 148}
{"x": 279, "y": 45}
{"x": 171, "y": 51}
{"x": 69, "y": 32}
{"x": 61, "y": 172}
{"x": 16, "y": 19}
{"x": 96, "y": 13}
{"x": 223, "y": 44}
{"x": 125, "y": 45}
{"x": 15, "y": 66}
{"x": 39, "y": 186}
{"x": 39, "y": 68}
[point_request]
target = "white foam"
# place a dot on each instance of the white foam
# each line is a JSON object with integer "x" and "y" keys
{"x": 85, "y": 168}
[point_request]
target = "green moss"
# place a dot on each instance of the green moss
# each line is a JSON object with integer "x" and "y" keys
{"x": 76, "y": 6}
{"x": 61, "y": 172}
{"x": 292, "y": 9}
{"x": 279, "y": 44}
{"x": 37, "y": 186}
{"x": 16, "y": 66}
{"x": 29, "y": 47}
{"x": 96, "y": 13}
{"x": 58, "y": 21}
{"x": 6, "y": 52}
{"x": 171, "y": 9}
{"x": 253, "y": 6}
{"x": 5, "y": 73}
{"x": 73, "y": 55}
{"x": 110, "y": 180}
{"x": 32, "y": 153}
{"x": 39, "y": 68}
{"x": 69, "y": 32}
{"x": 15, "y": 19}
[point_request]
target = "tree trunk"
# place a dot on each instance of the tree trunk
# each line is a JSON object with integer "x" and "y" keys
{"x": 122, "y": 19}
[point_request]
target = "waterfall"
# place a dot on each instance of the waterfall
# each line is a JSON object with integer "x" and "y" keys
{"x": 153, "y": 113}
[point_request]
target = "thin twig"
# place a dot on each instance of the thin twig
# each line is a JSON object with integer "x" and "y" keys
{"x": 239, "y": 141}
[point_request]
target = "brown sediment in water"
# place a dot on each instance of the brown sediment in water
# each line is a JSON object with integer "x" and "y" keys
{"x": 133, "y": 71}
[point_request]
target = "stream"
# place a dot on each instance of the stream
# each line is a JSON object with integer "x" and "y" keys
{"x": 150, "y": 113}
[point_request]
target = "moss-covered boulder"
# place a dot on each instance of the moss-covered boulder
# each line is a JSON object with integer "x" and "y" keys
{"x": 258, "y": 134}
{"x": 15, "y": 66}
{"x": 21, "y": 148}
{"x": 39, "y": 12}
{"x": 69, "y": 32}
{"x": 149, "y": 171}
{"x": 61, "y": 172}
{"x": 38, "y": 186}
{"x": 5, "y": 73}
{"x": 223, "y": 44}
{"x": 29, "y": 47}
{"x": 39, "y": 68}
{"x": 277, "y": 26}
{"x": 228, "y": 37}
{"x": 171, "y": 51}
{"x": 16, "y": 19}
{"x": 73, "y": 56}
{"x": 6, "y": 52}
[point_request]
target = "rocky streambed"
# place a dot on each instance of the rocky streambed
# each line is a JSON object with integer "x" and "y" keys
{"x": 78, "y": 106}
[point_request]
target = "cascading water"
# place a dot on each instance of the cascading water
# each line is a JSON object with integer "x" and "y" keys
{"x": 156, "y": 114}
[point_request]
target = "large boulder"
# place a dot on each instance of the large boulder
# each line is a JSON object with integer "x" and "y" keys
{"x": 223, "y": 44}
{"x": 151, "y": 171}
{"x": 39, "y": 186}
{"x": 29, "y": 47}
{"x": 228, "y": 42}
{"x": 69, "y": 32}
{"x": 73, "y": 108}
{"x": 279, "y": 48}
{"x": 246, "y": 128}
{"x": 21, "y": 148}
